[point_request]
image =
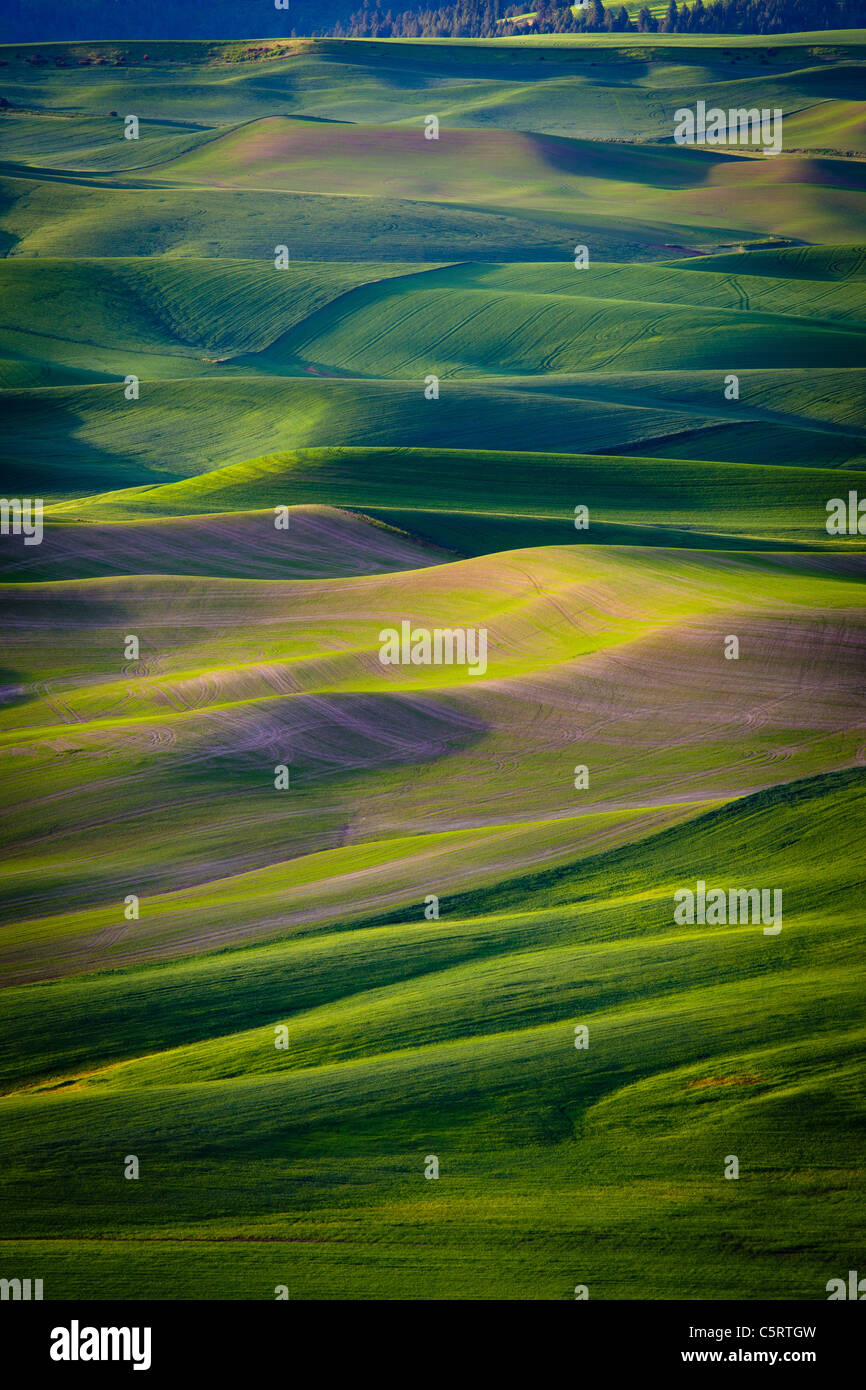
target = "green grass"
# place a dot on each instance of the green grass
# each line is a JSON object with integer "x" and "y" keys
{"x": 746, "y": 502}
{"x": 98, "y": 314}
{"x": 78, "y": 440}
{"x": 295, "y": 1150}
{"x": 597, "y": 86}
{"x": 606, "y": 649}
{"x": 614, "y": 359}
{"x": 177, "y": 734}
{"x": 102, "y": 314}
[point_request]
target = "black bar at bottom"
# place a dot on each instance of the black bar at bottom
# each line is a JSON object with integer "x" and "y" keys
{"x": 73, "y": 1339}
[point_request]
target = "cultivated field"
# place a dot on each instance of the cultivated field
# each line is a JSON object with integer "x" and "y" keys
{"x": 248, "y": 988}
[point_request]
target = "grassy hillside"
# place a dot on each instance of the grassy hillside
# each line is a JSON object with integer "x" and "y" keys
{"x": 746, "y": 505}
{"x": 540, "y": 1145}
{"x": 614, "y": 359}
{"x": 598, "y": 86}
{"x": 466, "y": 867}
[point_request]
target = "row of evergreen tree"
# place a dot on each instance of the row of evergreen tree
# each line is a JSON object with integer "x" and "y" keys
{"x": 46, "y": 20}
{"x": 492, "y": 18}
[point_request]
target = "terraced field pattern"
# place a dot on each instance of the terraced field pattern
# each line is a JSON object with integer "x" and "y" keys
{"x": 296, "y": 929}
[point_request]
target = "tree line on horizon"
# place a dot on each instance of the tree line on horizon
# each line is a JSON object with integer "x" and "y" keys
{"x": 495, "y": 19}
{"x": 91, "y": 20}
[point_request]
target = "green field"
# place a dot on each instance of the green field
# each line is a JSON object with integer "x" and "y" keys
{"x": 281, "y": 1029}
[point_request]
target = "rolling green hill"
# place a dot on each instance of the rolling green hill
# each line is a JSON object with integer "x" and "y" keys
{"x": 623, "y": 1143}
{"x": 644, "y": 499}
{"x": 599, "y": 86}
{"x": 286, "y": 921}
